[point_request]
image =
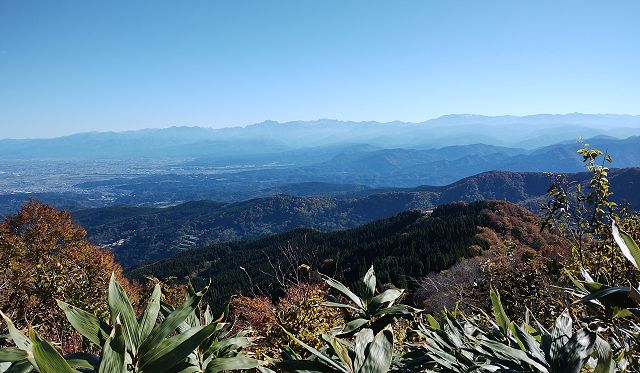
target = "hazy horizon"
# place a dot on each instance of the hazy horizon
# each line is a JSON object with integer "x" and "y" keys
{"x": 310, "y": 121}
{"x": 69, "y": 67}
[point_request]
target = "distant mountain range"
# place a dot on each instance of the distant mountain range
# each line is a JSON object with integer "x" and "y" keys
{"x": 140, "y": 234}
{"x": 326, "y": 171}
{"x": 379, "y": 168}
{"x": 272, "y": 138}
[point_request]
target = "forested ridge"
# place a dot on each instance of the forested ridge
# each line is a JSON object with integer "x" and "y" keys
{"x": 404, "y": 247}
{"x": 139, "y": 234}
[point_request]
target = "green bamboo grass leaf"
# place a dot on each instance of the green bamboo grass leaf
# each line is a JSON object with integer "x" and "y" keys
{"x": 369, "y": 281}
{"x": 399, "y": 309}
{"x": 21, "y": 341}
{"x": 85, "y": 323}
{"x": 498, "y": 312}
{"x": 513, "y": 353}
{"x": 150, "y": 315}
{"x": 208, "y": 315}
{"x": 23, "y": 366}
{"x": 627, "y": 245}
{"x": 388, "y": 296}
{"x": 339, "y": 305}
{"x": 341, "y": 352}
{"x": 83, "y": 360}
{"x": 619, "y": 296}
{"x": 362, "y": 340}
{"x": 310, "y": 366}
{"x": 344, "y": 290}
{"x": 11, "y": 354}
{"x": 172, "y": 351}
{"x": 602, "y": 351}
{"x": 47, "y": 358}
{"x": 171, "y": 322}
{"x": 575, "y": 353}
{"x": 380, "y": 353}
{"x": 120, "y": 307}
{"x": 560, "y": 334}
{"x": 577, "y": 283}
{"x": 234, "y": 343}
{"x": 184, "y": 367}
{"x": 433, "y": 323}
{"x": 352, "y": 326}
{"x": 113, "y": 351}
{"x": 530, "y": 344}
{"x": 321, "y": 357}
{"x": 231, "y": 363}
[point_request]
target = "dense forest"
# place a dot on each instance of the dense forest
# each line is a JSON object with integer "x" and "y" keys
{"x": 404, "y": 247}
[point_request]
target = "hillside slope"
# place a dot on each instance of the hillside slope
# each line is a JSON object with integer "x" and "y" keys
{"x": 406, "y": 246}
{"x": 137, "y": 235}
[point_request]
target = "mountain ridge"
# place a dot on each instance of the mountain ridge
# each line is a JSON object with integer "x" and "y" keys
{"x": 136, "y": 236}
{"x": 179, "y": 141}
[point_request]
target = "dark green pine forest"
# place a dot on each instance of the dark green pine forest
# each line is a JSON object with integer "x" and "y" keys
{"x": 401, "y": 248}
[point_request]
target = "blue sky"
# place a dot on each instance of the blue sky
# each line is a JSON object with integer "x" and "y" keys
{"x": 72, "y": 66}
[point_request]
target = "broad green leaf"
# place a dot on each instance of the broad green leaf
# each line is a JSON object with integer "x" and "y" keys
{"x": 208, "y": 316}
{"x": 171, "y": 322}
{"x": 615, "y": 296}
{"x": 344, "y": 290}
{"x": 231, "y": 363}
{"x": 113, "y": 351}
{"x": 263, "y": 369}
{"x": 514, "y": 354}
{"x": 399, "y": 309}
{"x": 341, "y": 351}
{"x": 387, "y": 296}
{"x": 575, "y": 352}
{"x": 310, "y": 366}
{"x": 380, "y": 353}
{"x": 85, "y": 323}
{"x": 150, "y": 315}
{"x": 48, "y": 359}
{"x": 21, "y": 341}
{"x": 362, "y": 340}
{"x": 224, "y": 316}
{"x": 83, "y": 360}
{"x": 339, "y": 305}
{"x": 602, "y": 351}
{"x": 170, "y": 352}
{"x": 234, "y": 342}
{"x": 352, "y": 326}
{"x": 120, "y": 307}
{"x": 433, "y": 323}
{"x": 529, "y": 344}
{"x": 369, "y": 281}
{"x": 498, "y": 312}
{"x": 627, "y": 245}
{"x": 321, "y": 357}
{"x": 184, "y": 367}
{"x": 23, "y": 366}
{"x": 10, "y": 354}
{"x": 560, "y": 334}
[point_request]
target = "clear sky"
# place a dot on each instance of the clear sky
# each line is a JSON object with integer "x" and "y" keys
{"x": 72, "y": 66}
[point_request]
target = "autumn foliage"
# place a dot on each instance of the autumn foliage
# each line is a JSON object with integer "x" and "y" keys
{"x": 298, "y": 311}
{"x": 44, "y": 256}
{"x": 515, "y": 257}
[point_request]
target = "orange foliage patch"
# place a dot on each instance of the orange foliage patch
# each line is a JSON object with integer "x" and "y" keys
{"x": 43, "y": 257}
